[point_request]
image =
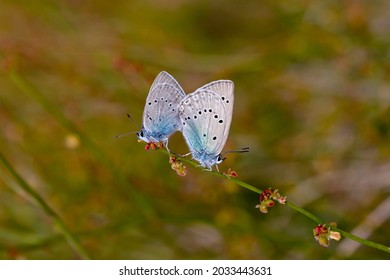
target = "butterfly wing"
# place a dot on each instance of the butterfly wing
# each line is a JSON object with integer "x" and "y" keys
{"x": 206, "y": 117}
{"x": 225, "y": 89}
{"x": 165, "y": 78}
{"x": 160, "y": 117}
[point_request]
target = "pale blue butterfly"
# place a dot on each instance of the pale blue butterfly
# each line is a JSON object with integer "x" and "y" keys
{"x": 205, "y": 117}
{"x": 160, "y": 118}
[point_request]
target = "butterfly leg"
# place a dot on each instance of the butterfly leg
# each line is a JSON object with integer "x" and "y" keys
{"x": 187, "y": 154}
{"x": 205, "y": 167}
{"x": 166, "y": 146}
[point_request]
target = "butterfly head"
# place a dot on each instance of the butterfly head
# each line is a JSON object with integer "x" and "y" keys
{"x": 142, "y": 136}
{"x": 151, "y": 137}
{"x": 219, "y": 159}
{"x": 208, "y": 160}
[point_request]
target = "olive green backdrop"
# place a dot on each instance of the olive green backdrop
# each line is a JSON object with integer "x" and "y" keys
{"x": 312, "y": 100}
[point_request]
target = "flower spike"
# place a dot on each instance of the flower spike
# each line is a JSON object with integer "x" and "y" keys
{"x": 268, "y": 198}
{"x": 231, "y": 173}
{"x": 154, "y": 146}
{"x": 178, "y": 166}
{"x": 323, "y": 235}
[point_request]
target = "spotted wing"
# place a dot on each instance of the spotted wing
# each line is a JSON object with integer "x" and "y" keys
{"x": 160, "y": 115}
{"x": 165, "y": 78}
{"x": 205, "y": 122}
{"x": 225, "y": 89}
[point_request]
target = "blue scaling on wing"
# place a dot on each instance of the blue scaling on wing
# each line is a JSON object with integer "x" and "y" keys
{"x": 205, "y": 117}
{"x": 160, "y": 118}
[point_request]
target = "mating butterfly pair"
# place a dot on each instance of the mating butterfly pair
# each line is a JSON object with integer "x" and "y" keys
{"x": 203, "y": 117}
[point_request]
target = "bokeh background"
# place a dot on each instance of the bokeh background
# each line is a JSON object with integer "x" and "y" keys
{"x": 312, "y": 100}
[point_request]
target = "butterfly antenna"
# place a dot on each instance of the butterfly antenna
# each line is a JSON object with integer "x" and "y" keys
{"x": 124, "y": 134}
{"x": 242, "y": 150}
{"x": 130, "y": 118}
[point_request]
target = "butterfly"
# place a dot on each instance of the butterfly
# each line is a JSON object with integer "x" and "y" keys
{"x": 160, "y": 117}
{"x": 205, "y": 117}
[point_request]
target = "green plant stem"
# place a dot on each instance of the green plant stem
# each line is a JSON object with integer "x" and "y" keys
{"x": 292, "y": 206}
{"x": 362, "y": 240}
{"x": 72, "y": 240}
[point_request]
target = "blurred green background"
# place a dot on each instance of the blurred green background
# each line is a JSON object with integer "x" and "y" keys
{"x": 312, "y": 100}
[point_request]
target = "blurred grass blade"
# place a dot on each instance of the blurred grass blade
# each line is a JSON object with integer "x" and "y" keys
{"x": 72, "y": 240}
{"x": 26, "y": 87}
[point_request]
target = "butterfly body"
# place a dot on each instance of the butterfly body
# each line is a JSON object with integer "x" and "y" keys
{"x": 160, "y": 118}
{"x": 207, "y": 159}
{"x": 205, "y": 117}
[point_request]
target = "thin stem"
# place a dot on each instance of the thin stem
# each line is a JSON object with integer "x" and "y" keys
{"x": 72, "y": 240}
{"x": 362, "y": 240}
{"x": 305, "y": 212}
{"x": 294, "y": 207}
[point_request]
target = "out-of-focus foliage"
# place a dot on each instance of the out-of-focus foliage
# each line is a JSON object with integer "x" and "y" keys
{"x": 312, "y": 100}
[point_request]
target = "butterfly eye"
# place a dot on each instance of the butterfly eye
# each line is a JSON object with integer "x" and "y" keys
{"x": 220, "y": 159}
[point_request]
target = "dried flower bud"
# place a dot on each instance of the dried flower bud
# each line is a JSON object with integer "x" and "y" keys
{"x": 231, "y": 173}
{"x": 323, "y": 235}
{"x": 264, "y": 205}
{"x": 159, "y": 145}
{"x": 178, "y": 166}
{"x": 268, "y": 198}
{"x": 262, "y": 208}
{"x": 153, "y": 145}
